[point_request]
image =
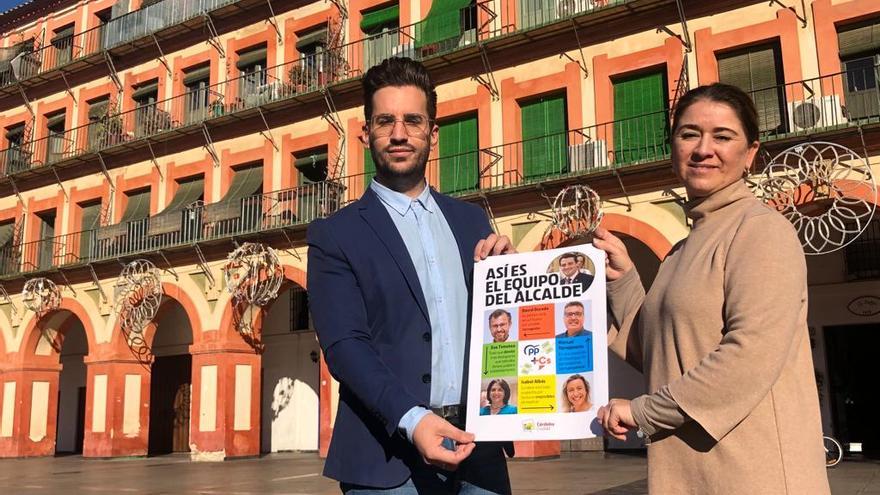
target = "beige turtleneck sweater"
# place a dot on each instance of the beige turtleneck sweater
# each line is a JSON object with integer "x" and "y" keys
{"x": 722, "y": 339}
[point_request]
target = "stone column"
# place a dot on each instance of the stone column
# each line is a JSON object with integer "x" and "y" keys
{"x": 225, "y": 419}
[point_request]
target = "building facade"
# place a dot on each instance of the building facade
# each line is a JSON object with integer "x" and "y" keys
{"x": 176, "y": 130}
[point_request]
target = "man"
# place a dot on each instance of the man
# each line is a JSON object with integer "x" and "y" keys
{"x": 571, "y": 273}
{"x": 401, "y": 258}
{"x": 499, "y": 325}
{"x": 573, "y": 316}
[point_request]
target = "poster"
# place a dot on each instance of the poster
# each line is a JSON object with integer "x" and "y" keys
{"x": 538, "y": 365}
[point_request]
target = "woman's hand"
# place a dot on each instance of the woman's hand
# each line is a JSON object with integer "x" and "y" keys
{"x": 616, "y": 418}
{"x": 492, "y": 245}
{"x": 617, "y": 260}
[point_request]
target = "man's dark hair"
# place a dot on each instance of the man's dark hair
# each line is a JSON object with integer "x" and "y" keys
{"x": 398, "y": 72}
{"x": 573, "y": 303}
{"x": 573, "y": 256}
{"x": 499, "y": 313}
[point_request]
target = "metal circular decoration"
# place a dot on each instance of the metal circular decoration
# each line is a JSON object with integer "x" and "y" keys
{"x": 826, "y": 190}
{"x": 253, "y": 274}
{"x": 138, "y": 296}
{"x": 577, "y": 211}
{"x": 41, "y": 295}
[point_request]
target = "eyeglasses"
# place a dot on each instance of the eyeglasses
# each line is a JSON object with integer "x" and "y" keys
{"x": 415, "y": 124}
{"x": 573, "y": 314}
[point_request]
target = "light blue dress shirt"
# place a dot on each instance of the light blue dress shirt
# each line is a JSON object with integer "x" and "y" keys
{"x": 434, "y": 253}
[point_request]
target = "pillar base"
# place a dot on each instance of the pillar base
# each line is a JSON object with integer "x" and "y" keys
{"x": 537, "y": 450}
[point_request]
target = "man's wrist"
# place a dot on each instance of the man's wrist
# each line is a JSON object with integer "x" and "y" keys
{"x": 409, "y": 421}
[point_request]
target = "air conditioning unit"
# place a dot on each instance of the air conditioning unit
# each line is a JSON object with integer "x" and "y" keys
{"x": 469, "y": 37}
{"x": 588, "y": 156}
{"x": 815, "y": 113}
{"x": 404, "y": 50}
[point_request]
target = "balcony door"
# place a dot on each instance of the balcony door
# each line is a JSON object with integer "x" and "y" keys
{"x": 641, "y": 121}
{"x": 545, "y": 142}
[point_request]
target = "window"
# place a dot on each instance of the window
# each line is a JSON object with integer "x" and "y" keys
{"x": 459, "y": 155}
{"x": 380, "y": 28}
{"x": 62, "y": 41}
{"x": 148, "y": 118}
{"x": 299, "y": 309}
{"x": 15, "y": 158}
{"x": 862, "y": 256}
{"x": 315, "y": 199}
{"x": 860, "y": 56}
{"x": 544, "y": 138}
{"x": 197, "y": 99}
{"x": 91, "y": 218}
{"x": 449, "y": 24}
{"x": 242, "y": 207}
{"x": 104, "y": 17}
{"x": 178, "y": 216}
{"x": 46, "y": 250}
{"x": 757, "y": 71}
{"x": 312, "y": 47}
{"x": 56, "y": 141}
{"x": 252, "y": 66}
{"x": 104, "y": 130}
{"x": 8, "y": 250}
{"x": 641, "y": 120}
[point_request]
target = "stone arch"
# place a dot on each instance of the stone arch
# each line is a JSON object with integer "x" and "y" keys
{"x": 170, "y": 291}
{"x": 34, "y": 329}
{"x": 650, "y": 236}
{"x": 292, "y": 275}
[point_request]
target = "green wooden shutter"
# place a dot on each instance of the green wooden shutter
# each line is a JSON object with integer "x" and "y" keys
{"x": 90, "y": 221}
{"x": 544, "y": 126}
{"x": 369, "y": 168}
{"x": 755, "y": 70}
{"x": 458, "y": 154}
{"x": 859, "y": 39}
{"x": 641, "y": 126}
{"x": 373, "y": 22}
{"x": 443, "y": 22}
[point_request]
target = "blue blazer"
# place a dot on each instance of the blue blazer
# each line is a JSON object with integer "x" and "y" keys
{"x": 372, "y": 323}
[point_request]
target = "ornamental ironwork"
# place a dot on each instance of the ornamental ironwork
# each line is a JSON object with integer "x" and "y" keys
{"x": 253, "y": 275}
{"x": 826, "y": 190}
{"x": 577, "y": 211}
{"x": 41, "y": 296}
{"x": 138, "y": 294}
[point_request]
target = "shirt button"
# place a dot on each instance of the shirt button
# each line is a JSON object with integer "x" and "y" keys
{"x": 426, "y": 378}
{"x": 426, "y": 336}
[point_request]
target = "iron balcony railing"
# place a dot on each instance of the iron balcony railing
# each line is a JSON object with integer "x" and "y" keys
{"x": 838, "y": 100}
{"x": 307, "y": 74}
{"x": 625, "y": 142}
{"x": 197, "y": 223}
{"x": 126, "y": 28}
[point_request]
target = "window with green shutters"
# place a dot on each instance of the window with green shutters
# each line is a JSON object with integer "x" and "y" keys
{"x": 544, "y": 137}
{"x": 757, "y": 71}
{"x": 446, "y": 23}
{"x": 369, "y": 168}
{"x": 641, "y": 122}
{"x": 91, "y": 214}
{"x": 458, "y": 151}
{"x": 312, "y": 174}
{"x": 860, "y": 54}
{"x": 380, "y": 30}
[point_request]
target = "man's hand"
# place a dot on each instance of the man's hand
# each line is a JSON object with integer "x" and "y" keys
{"x": 492, "y": 245}
{"x": 616, "y": 418}
{"x": 428, "y": 438}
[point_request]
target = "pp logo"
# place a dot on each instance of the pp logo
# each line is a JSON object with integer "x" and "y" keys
{"x": 528, "y": 425}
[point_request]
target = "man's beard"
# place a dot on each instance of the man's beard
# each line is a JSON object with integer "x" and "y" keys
{"x": 401, "y": 180}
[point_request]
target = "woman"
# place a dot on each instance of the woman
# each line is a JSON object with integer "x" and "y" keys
{"x": 721, "y": 336}
{"x": 576, "y": 394}
{"x": 498, "y": 394}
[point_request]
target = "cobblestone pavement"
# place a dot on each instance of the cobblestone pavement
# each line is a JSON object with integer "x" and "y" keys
{"x": 294, "y": 474}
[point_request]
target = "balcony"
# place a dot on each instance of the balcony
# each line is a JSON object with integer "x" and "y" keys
{"x": 179, "y": 230}
{"x": 32, "y": 62}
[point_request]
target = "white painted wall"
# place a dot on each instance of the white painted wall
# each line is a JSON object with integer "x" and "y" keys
{"x": 73, "y": 376}
{"x": 289, "y": 402}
